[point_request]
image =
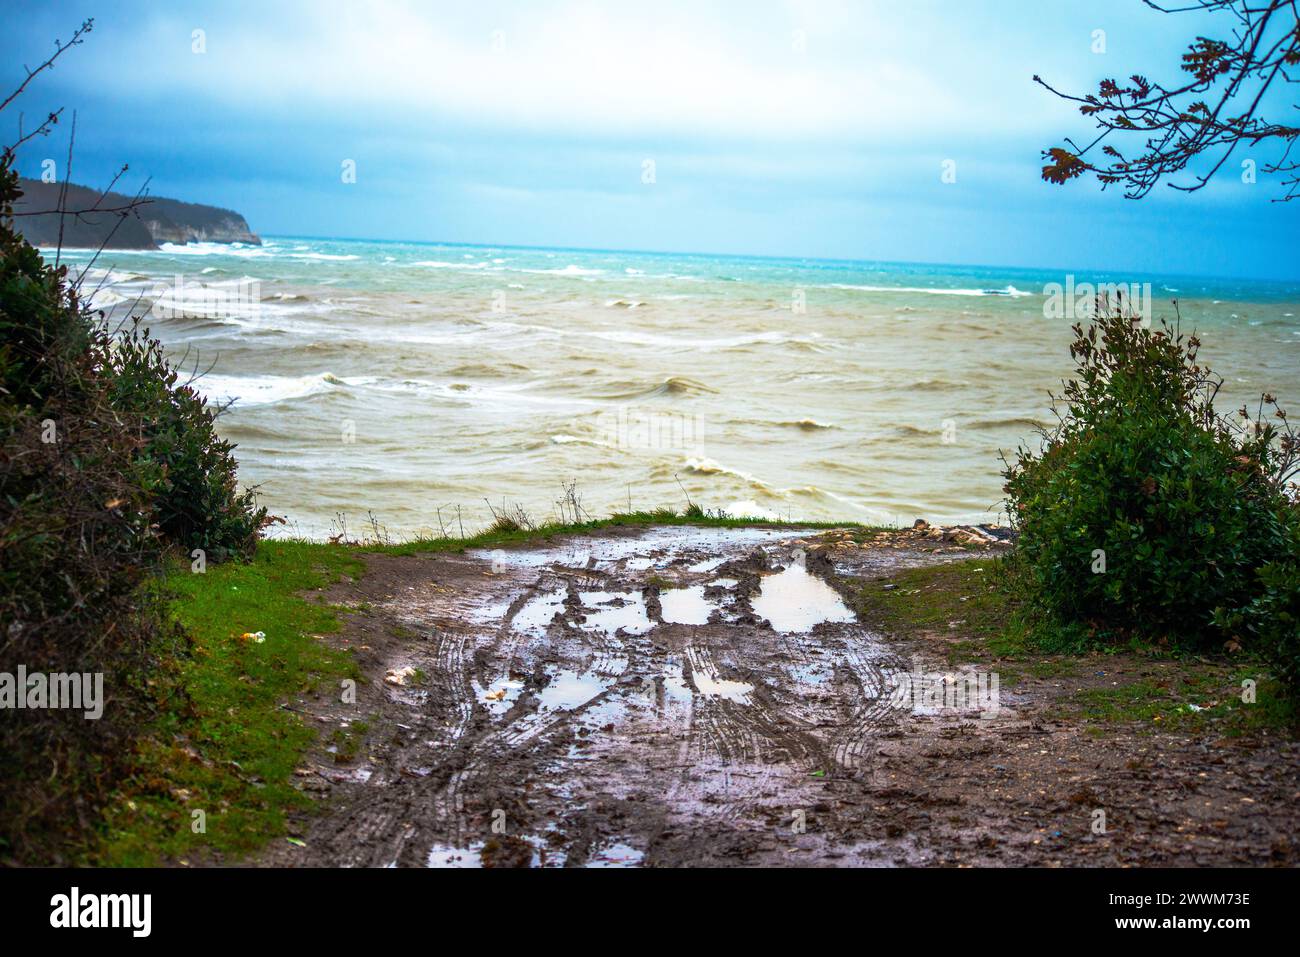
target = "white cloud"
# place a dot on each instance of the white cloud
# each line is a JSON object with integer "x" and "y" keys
{"x": 868, "y": 73}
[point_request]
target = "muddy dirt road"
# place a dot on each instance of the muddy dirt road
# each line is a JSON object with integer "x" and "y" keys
{"x": 681, "y": 696}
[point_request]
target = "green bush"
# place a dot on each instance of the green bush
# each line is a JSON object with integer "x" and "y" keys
{"x": 1146, "y": 516}
{"x": 1271, "y": 621}
{"x": 105, "y": 463}
{"x": 197, "y": 500}
{"x": 77, "y": 544}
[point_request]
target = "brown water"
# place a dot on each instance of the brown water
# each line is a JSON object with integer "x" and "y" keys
{"x": 408, "y": 380}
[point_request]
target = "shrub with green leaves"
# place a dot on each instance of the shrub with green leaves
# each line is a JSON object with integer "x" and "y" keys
{"x": 77, "y": 545}
{"x": 106, "y": 460}
{"x": 1148, "y": 517}
{"x": 197, "y": 499}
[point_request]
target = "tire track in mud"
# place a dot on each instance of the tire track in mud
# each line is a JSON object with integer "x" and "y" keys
{"x": 874, "y": 711}
{"x": 751, "y": 748}
{"x": 686, "y": 742}
{"x": 523, "y": 735}
{"x": 746, "y": 737}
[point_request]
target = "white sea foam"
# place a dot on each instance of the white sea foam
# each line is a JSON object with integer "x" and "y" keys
{"x": 239, "y": 250}
{"x": 1010, "y": 291}
{"x": 264, "y": 389}
{"x": 569, "y": 270}
{"x": 440, "y": 264}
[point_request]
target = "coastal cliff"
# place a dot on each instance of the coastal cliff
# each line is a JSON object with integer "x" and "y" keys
{"x": 157, "y": 220}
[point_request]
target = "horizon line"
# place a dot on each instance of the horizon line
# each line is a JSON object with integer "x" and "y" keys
{"x": 767, "y": 256}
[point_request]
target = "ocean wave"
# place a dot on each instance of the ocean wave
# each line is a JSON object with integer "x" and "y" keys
{"x": 107, "y": 298}
{"x": 1021, "y": 422}
{"x": 925, "y": 385}
{"x": 265, "y": 389}
{"x": 697, "y": 343}
{"x": 805, "y": 425}
{"x": 702, "y": 465}
{"x": 911, "y": 431}
{"x": 470, "y": 369}
{"x": 111, "y": 277}
{"x": 566, "y": 438}
{"x": 442, "y": 264}
{"x": 672, "y": 386}
{"x": 570, "y": 270}
{"x": 751, "y": 509}
{"x": 324, "y": 257}
{"x": 209, "y": 249}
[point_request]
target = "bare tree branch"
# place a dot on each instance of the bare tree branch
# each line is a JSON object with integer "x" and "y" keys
{"x": 1182, "y": 124}
{"x": 59, "y": 48}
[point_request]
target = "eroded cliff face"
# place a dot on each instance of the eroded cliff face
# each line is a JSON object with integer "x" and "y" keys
{"x": 228, "y": 229}
{"x": 156, "y": 221}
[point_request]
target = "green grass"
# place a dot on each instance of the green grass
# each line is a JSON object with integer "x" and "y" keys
{"x": 1202, "y": 699}
{"x": 928, "y": 599}
{"x": 224, "y": 745}
{"x": 504, "y": 536}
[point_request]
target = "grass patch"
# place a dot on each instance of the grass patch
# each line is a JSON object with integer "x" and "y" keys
{"x": 1203, "y": 699}
{"x": 930, "y": 599}
{"x": 224, "y": 744}
{"x": 502, "y": 534}
{"x": 347, "y": 741}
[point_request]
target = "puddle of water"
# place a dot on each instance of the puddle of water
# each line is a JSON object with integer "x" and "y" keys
{"x": 686, "y": 606}
{"x": 500, "y": 695}
{"x": 737, "y": 691}
{"x": 814, "y": 673}
{"x": 488, "y": 613}
{"x": 617, "y": 855}
{"x": 538, "y": 612}
{"x": 610, "y": 711}
{"x": 570, "y": 689}
{"x": 725, "y": 582}
{"x": 794, "y": 601}
{"x": 442, "y": 856}
{"x": 707, "y": 565}
{"x": 705, "y": 675}
{"x": 610, "y": 611}
{"x": 675, "y": 687}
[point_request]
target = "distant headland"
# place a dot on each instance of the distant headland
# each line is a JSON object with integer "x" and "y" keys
{"x": 155, "y": 221}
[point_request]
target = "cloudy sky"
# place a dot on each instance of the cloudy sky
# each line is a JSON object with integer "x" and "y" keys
{"x": 780, "y": 128}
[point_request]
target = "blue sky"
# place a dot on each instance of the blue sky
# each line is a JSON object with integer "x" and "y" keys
{"x": 775, "y": 128}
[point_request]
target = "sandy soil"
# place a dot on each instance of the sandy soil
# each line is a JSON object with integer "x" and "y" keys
{"x": 683, "y": 696}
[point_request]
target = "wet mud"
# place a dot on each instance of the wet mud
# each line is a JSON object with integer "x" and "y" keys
{"x": 670, "y": 697}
